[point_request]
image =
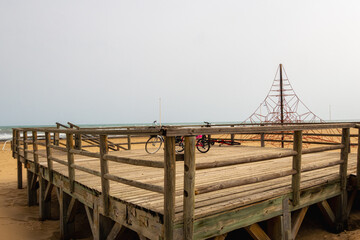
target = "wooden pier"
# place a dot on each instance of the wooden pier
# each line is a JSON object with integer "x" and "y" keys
{"x": 201, "y": 196}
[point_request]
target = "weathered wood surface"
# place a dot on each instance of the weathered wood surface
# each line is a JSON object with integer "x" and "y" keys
{"x": 209, "y": 203}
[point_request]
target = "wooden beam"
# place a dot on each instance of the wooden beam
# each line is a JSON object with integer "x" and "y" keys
{"x": 70, "y": 160}
{"x": 31, "y": 191}
{"x": 35, "y": 149}
{"x": 296, "y": 164}
{"x": 116, "y": 230}
{"x": 49, "y": 155}
{"x": 25, "y": 137}
{"x": 70, "y": 215}
{"x": 67, "y": 229}
{"x": 274, "y": 228}
{"x": 327, "y": 212}
{"x": 169, "y": 188}
{"x": 286, "y": 220}
{"x": 105, "y": 186}
{"x": 90, "y": 219}
{"x": 189, "y": 187}
{"x": 256, "y": 232}
{"x": 345, "y": 140}
{"x": 19, "y": 164}
{"x": 298, "y": 218}
{"x": 351, "y": 201}
{"x": 44, "y": 200}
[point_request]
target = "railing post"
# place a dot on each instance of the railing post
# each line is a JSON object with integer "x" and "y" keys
{"x": 296, "y": 178}
{"x": 49, "y": 155}
{"x": 262, "y": 139}
{"x": 129, "y": 141}
{"x": 19, "y": 165}
{"x": 35, "y": 149}
{"x": 169, "y": 188}
{"x": 189, "y": 187}
{"x": 56, "y": 135}
{"x": 358, "y": 161}
{"x": 70, "y": 157}
{"x": 232, "y": 137}
{"x": 342, "y": 216}
{"x": 105, "y": 186}
{"x": 13, "y": 145}
{"x": 25, "y": 138}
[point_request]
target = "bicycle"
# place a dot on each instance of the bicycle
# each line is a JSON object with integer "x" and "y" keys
{"x": 153, "y": 144}
{"x": 202, "y": 144}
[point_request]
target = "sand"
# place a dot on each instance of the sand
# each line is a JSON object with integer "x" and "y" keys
{"x": 18, "y": 221}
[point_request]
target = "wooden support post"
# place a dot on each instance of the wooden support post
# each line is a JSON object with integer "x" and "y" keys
{"x": 44, "y": 199}
{"x": 25, "y": 138}
{"x": 129, "y": 141}
{"x": 35, "y": 149}
{"x": 232, "y": 137}
{"x": 56, "y": 136}
{"x": 48, "y": 155}
{"x": 297, "y": 221}
{"x": 256, "y": 232}
{"x": 105, "y": 186}
{"x": 13, "y": 143}
{"x": 189, "y": 187}
{"x": 169, "y": 188}
{"x": 67, "y": 229}
{"x": 296, "y": 178}
{"x": 19, "y": 164}
{"x": 358, "y": 161}
{"x": 342, "y": 216}
{"x": 31, "y": 188}
{"x": 262, "y": 139}
{"x": 70, "y": 158}
{"x": 286, "y": 220}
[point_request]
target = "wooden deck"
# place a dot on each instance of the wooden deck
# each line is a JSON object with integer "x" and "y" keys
{"x": 208, "y": 203}
{"x": 260, "y": 185}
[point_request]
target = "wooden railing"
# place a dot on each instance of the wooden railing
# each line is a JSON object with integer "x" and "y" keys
{"x": 190, "y": 165}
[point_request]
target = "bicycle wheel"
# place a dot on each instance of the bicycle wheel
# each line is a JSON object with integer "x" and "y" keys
{"x": 179, "y": 147}
{"x": 153, "y": 144}
{"x": 202, "y": 145}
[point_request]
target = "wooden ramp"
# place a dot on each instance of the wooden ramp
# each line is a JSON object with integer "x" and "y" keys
{"x": 226, "y": 197}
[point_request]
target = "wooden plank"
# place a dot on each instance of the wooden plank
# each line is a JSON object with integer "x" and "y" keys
{"x": 256, "y": 232}
{"x": 138, "y": 162}
{"x": 70, "y": 160}
{"x": 169, "y": 188}
{"x": 296, "y": 165}
{"x": 246, "y": 159}
{"x": 241, "y": 181}
{"x": 105, "y": 186}
{"x": 189, "y": 187}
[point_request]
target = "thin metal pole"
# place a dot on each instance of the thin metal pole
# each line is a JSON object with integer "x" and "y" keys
{"x": 281, "y": 104}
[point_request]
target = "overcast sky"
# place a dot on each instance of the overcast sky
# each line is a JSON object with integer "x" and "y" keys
{"x": 110, "y": 61}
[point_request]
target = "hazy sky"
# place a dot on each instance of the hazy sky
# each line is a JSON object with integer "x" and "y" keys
{"x": 110, "y": 61}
